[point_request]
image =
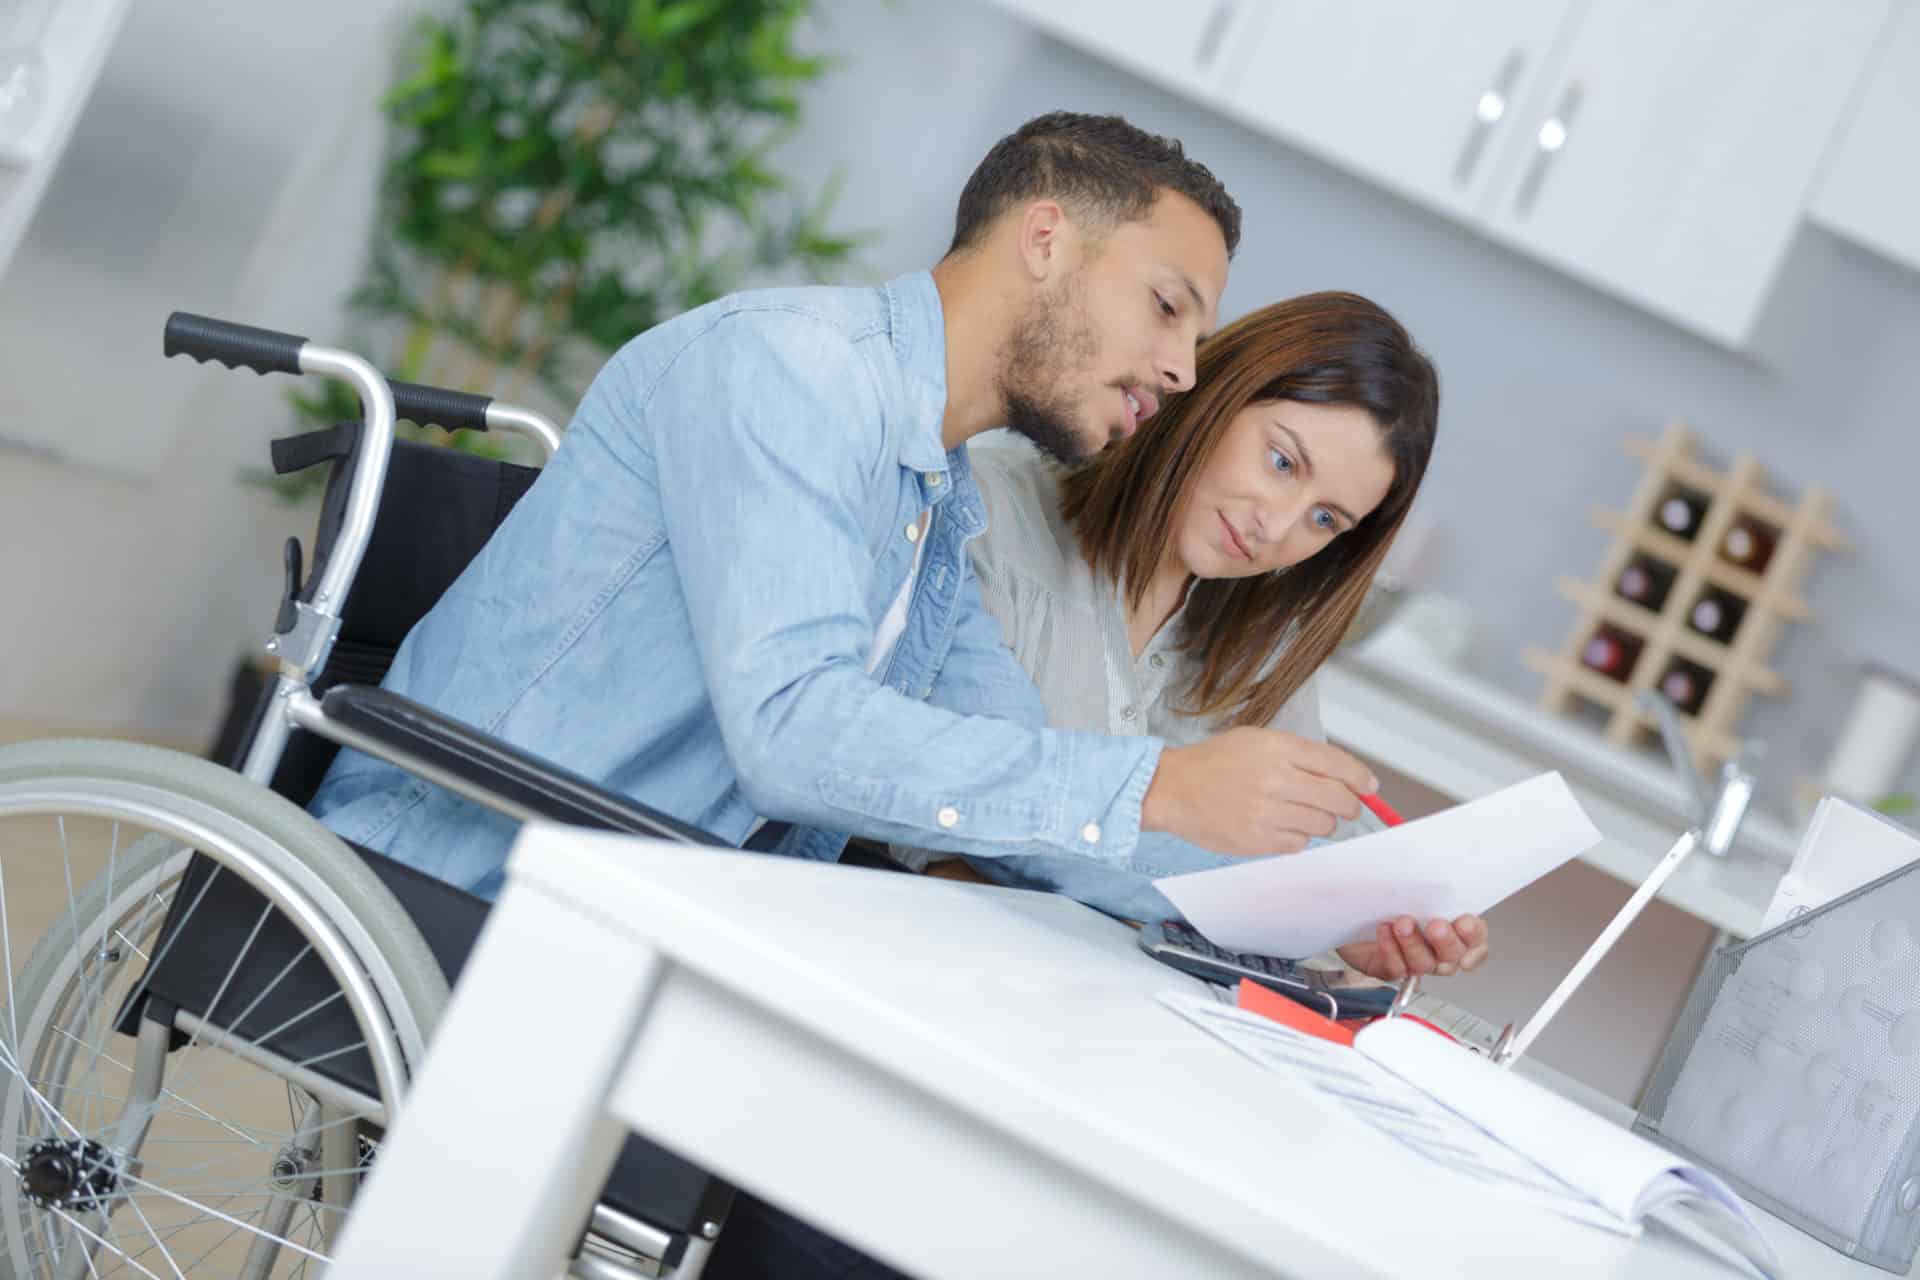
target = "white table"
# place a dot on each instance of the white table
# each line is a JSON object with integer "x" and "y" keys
{"x": 964, "y": 1081}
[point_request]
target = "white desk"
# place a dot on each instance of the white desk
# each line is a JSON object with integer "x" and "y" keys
{"x": 964, "y": 1081}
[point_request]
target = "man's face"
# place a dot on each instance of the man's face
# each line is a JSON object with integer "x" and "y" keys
{"x": 1114, "y": 331}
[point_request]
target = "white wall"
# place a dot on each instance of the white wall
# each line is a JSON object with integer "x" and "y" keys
{"x": 132, "y": 589}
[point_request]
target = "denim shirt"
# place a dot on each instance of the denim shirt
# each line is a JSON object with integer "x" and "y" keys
{"x": 681, "y": 608}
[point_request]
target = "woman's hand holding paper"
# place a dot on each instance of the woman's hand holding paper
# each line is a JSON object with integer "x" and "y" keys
{"x": 1400, "y": 947}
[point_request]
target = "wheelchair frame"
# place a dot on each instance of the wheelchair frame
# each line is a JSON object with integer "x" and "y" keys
{"x": 394, "y": 729}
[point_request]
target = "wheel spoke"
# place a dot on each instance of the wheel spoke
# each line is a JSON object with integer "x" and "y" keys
{"x": 100, "y": 1043}
{"x": 73, "y": 919}
{"x": 158, "y": 1243}
{"x": 195, "y": 1109}
{"x": 228, "y": 1218}
{"x": 167, "y": 1160}
{"x": 52, "y": 1113}
{"x": 266, "y": 913}
{"x": 296, "y": 1019}
{"x": 6, "y": 956}
{"x": 99, "y": 1239}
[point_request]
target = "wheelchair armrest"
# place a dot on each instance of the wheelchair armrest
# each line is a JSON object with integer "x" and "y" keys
{"x": 416, "y": 734}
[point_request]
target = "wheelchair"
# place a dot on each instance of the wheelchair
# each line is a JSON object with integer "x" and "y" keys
{"x": 226, "y": 1002}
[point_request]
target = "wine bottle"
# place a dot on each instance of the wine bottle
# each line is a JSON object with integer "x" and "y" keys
{"x": 1611, "y": 651}
{"x": 1680, "y": 512}
{"x": 1748, "y": 543}
{"x": 1716, "y": 614}
{"x": 1645, "y": 581}
{"x": 1686, "y": 684}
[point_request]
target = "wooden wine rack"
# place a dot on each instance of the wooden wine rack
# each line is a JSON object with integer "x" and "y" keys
{"x": 1739, "y": 666}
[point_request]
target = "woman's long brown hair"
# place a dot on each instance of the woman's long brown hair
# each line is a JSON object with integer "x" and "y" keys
{"x": 1126, "y": 504}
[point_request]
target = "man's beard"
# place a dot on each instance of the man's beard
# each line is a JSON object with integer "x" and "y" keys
{"x": 1051, "y": 342}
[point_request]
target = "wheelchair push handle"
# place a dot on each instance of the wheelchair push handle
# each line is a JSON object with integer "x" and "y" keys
{"x": 238, "y": 346}
{"x": 439, "y": 407}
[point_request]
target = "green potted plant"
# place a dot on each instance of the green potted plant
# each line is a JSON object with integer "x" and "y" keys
{"x": 563, "y": 174}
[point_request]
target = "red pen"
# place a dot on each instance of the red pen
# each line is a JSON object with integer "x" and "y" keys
{"x": 1381, "y": 809}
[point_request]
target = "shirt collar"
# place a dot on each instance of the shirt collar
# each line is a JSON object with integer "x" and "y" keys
{"x": 919, "y": 331}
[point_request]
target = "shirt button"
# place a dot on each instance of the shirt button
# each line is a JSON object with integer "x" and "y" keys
{"x": 1127, "y": 713}
{"x": 1158, "y": 660}
{"x": 913, "y": 532}
{"x": 933, "y": 479}
{"x": 1091, "y": 833}
{"x": 948, "y": 816}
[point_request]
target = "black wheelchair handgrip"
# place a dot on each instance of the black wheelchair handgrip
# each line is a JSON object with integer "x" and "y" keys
{"x": 235, "y": 345}
{"x": 439, "y": 407}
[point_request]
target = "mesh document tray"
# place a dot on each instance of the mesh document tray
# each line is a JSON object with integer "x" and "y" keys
{"x": 1794, "y": 1071}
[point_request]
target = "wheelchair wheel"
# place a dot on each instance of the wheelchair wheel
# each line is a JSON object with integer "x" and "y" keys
{"x": 211, "y": 1004}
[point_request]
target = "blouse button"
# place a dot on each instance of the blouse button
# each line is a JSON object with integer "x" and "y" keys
{"x": 913, "y": 532}
{"x": 1127, "y": 713}
{"x": 933, "y": 479}
{"x": 1157, "y": 661}
{"x": 1091, "y": 833}
{"x": 948, "y": 817}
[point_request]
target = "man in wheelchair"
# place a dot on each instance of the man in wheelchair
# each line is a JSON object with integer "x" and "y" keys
{"x": 740, "y": 591}
{"x": 735, "y": 607}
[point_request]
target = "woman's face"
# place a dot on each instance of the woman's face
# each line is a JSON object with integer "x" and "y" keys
{"x": 1287, "y": 479}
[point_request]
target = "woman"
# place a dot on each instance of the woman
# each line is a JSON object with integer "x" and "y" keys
{"x": 1193, "y": 578}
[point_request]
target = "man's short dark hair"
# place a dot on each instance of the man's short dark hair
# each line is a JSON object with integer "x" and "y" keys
{"x": 1100, "y": 167}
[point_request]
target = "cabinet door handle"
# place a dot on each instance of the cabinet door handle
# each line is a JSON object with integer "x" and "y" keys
{"x": 1488, "y": 111}
{"x": 1548, "y": 142}
{"x": 1214, "y": 33}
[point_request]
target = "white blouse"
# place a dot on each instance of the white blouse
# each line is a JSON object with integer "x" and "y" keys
{"x": 1068, "y": 627}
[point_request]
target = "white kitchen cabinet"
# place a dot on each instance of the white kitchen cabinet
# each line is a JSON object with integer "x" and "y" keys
{"x": 1671, "y": 153}
{"x": 1663, "y": 151}
{"x": 1419, "y": 97}
{"x": 1195, "y": 47}
{"x": 1872, "y": 188}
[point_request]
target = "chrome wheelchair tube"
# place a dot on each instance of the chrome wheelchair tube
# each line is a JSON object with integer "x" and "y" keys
{"x": 267, "y": 351}
{"x": 269, "y": 740}
{"x": 507, "y": 417}
{"x": 337, "y": 1095}
{"x": 303, "y": 650}
{"x": 369, "y": 469}
{"x": 629, "y": 1232}
{"x": 302, "y": 710}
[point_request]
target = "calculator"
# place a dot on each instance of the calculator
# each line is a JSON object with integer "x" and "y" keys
{"x": 1175, "y": 943}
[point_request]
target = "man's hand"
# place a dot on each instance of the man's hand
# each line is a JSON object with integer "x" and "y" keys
{"x": 1248, "y": 792}
{"x": 1400, "y": 947}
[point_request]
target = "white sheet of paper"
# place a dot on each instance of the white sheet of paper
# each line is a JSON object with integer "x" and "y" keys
{"x": 1458, "y": 860}
{"x": 1844, "y": 847}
